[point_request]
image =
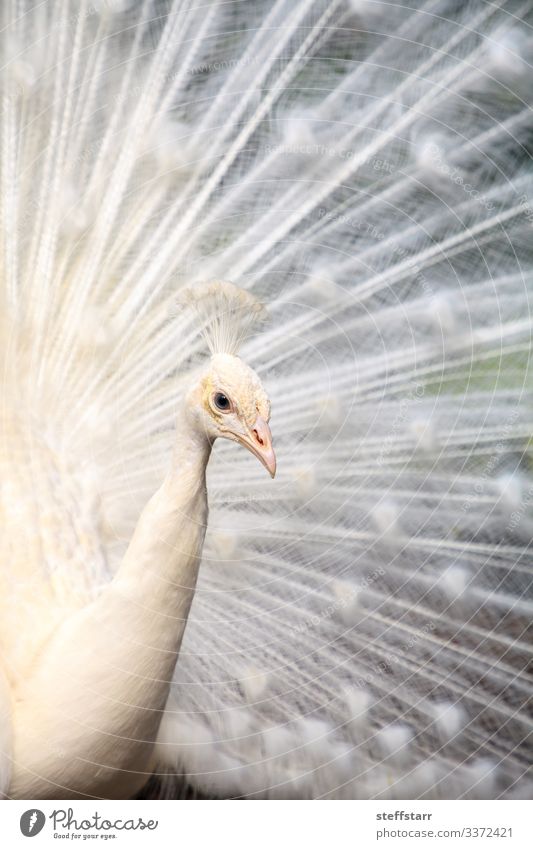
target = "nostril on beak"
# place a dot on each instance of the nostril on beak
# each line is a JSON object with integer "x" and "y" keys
{"x": 259, "y": 438}
{"x": 259, "y": 441}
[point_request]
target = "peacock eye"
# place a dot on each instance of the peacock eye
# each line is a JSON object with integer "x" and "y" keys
{"x": 222, "y": 402}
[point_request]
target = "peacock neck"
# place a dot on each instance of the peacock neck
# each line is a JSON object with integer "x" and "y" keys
{"x": 120, "y": 651}
{"x": 164, "y": 555}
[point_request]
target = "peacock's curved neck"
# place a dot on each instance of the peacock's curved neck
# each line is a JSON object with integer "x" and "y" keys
{"x": 118, "y": 653}
{"x": 165, "y": 551}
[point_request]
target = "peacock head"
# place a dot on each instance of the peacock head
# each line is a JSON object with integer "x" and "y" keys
{"x": 229, "y": 400}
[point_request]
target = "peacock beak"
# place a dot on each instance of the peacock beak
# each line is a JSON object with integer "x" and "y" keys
{"x": 259, "y": 442}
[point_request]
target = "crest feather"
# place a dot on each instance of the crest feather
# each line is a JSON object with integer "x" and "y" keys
{"x": 227, "y": 313}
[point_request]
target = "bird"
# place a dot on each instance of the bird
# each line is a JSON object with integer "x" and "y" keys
{"x": 231, "y": 224}
{"x": 143, "y": 611}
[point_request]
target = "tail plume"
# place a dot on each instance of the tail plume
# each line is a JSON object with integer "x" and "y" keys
{"x": 361, "y": 627}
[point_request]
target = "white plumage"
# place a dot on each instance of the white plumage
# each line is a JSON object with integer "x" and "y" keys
{"x": 361, "y": 625}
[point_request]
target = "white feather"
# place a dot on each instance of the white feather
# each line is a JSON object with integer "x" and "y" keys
{"x": 359, "y": 627}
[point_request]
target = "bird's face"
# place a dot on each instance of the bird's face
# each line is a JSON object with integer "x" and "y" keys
{"x": 233, "y": 404}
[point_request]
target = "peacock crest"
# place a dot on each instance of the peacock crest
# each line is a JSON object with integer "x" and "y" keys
{"x": 226, "y": 313}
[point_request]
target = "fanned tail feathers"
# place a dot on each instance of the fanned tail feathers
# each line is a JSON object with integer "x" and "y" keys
{"x": 362, "y": 626}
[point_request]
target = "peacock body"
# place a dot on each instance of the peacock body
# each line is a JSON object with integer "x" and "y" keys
{"x": 361, "y": 626}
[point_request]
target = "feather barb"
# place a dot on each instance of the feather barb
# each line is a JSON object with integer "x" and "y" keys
{"x": 227, "y": 314}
